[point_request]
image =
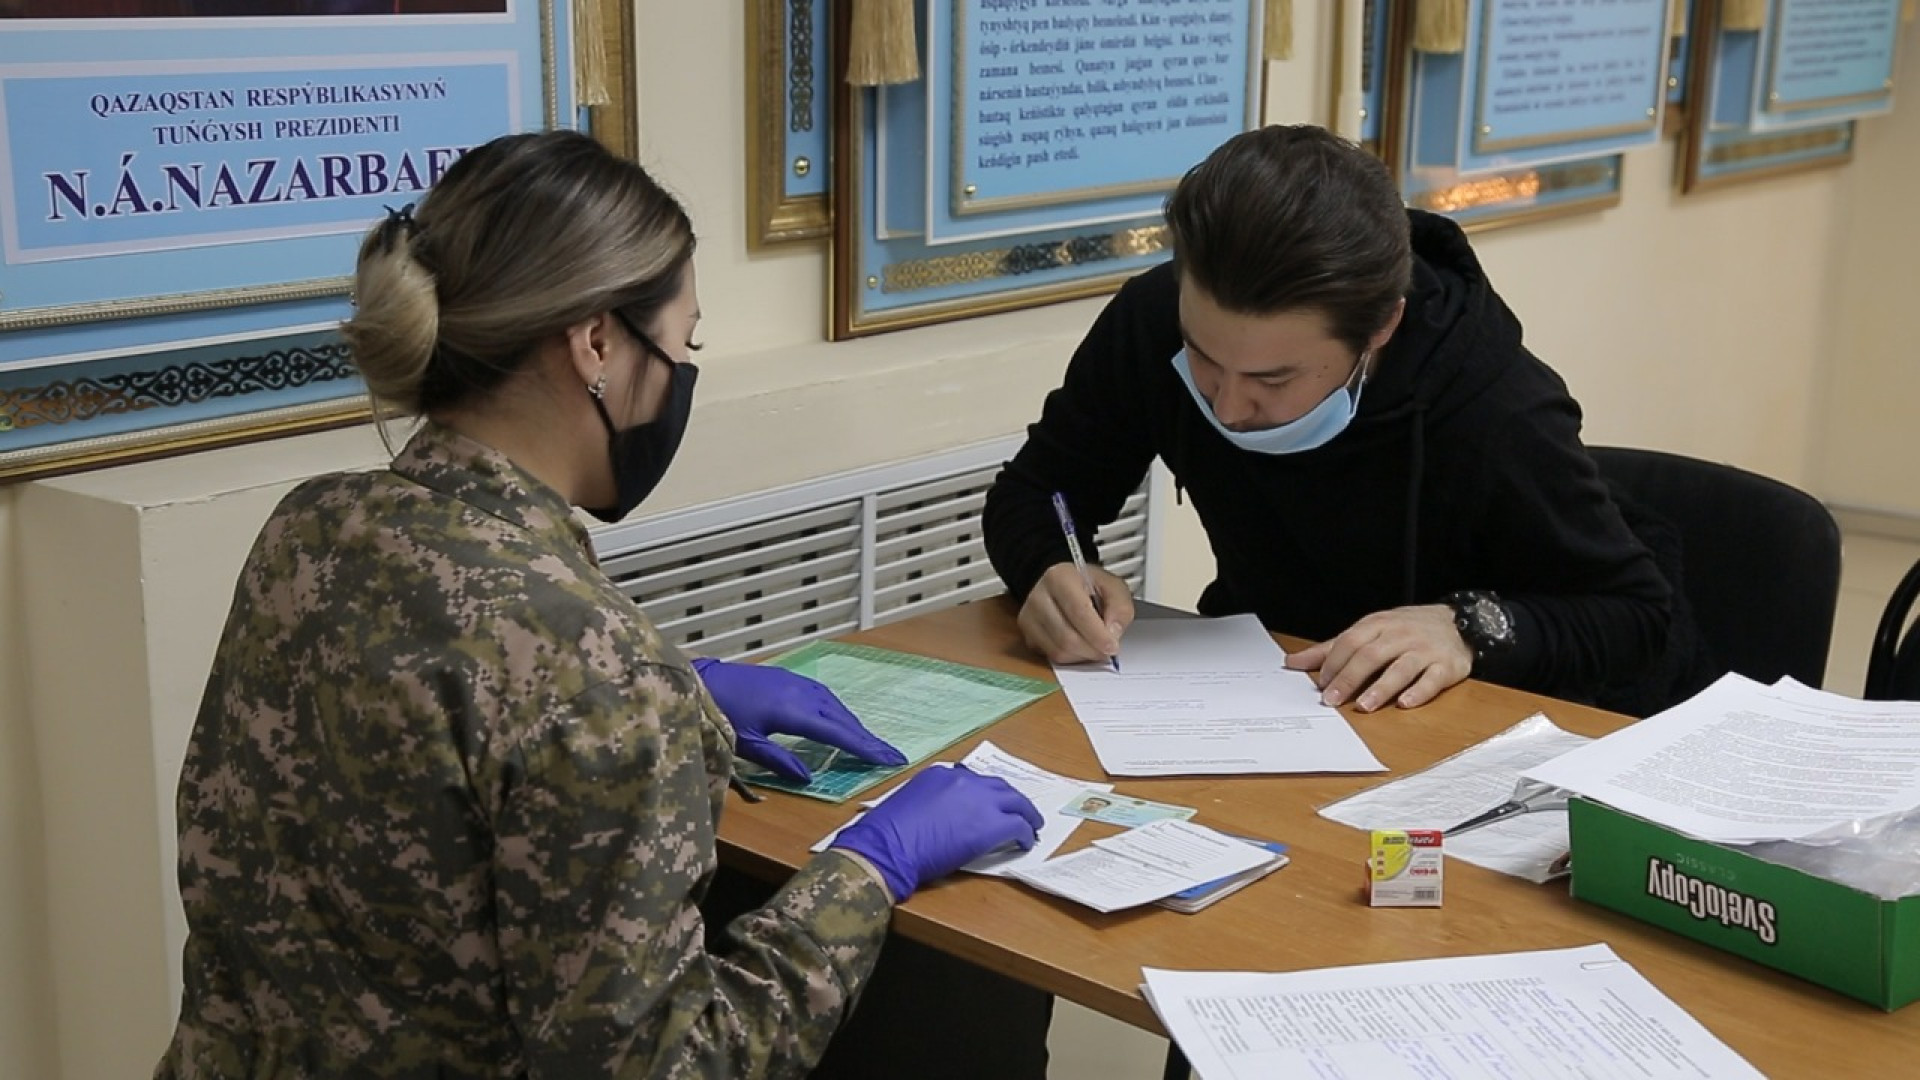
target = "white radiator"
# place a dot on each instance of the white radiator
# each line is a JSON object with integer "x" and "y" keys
{"x": 763, "y": 573}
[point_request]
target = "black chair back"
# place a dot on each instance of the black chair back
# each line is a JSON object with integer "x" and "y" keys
{"x": 1760, "y": 560}
{"x": 1893, "y": 668}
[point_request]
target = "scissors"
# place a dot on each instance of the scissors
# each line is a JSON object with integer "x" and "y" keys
{"x": 1527, "y": 798}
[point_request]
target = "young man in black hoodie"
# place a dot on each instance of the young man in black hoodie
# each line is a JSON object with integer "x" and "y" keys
{"x": 1380, "y": 465}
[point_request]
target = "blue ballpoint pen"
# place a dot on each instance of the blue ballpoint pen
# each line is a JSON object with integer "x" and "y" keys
{"x": 1080, "y": 561}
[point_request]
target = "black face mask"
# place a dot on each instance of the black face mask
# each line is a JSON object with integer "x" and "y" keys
{"x": 642, "y": 453}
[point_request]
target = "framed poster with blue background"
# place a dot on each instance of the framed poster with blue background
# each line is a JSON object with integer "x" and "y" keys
{"x": 183, "y": 186}
{"x": 1029, "y": 163}
{"x": 1823, "y": 61}
{"x": 1433, "y": 92}
{"x": 1726, "y": 141}
{"x": 788, "y": 106}
{"x": 1545, "y": 81}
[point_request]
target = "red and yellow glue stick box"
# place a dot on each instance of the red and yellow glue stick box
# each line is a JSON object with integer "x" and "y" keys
{"x": 1404, "y": 868}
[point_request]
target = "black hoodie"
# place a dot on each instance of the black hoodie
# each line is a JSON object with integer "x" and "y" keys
{"x": 1463, "y": 469}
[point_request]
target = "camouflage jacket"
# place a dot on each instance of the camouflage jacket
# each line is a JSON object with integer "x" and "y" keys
{"x": 450, "y": 804}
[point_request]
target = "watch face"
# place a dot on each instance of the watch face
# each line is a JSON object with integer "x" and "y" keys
{"x": 1484, "y": 622}
{"x": 1491, "y": 618}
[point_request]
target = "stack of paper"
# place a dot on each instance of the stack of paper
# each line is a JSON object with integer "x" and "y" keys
{"x": 1049, "y": 792}
{"x": 1468, "y": 783}
{"x": 1208, "y": 696}
{"x": 1741, "y": 762}
{"x": 1138, "y": 866}
{"x": 1142, "y": 865}
{"x": 1565, "y": 1014}
{"x": 1208, "y": 893}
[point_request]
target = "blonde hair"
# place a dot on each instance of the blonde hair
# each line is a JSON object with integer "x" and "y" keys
{"x": 522, "y": 238}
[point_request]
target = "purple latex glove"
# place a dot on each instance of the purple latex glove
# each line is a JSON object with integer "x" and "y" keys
{"x": 938, "y": 822}
{"x": 763, "y": 701}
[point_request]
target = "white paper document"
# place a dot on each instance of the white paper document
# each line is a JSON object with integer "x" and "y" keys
{"x": 1208, "y": 696}
{"x": 1741, "y": 762}
{"x": 1048, "y": 791}
{"x": 1563, "y": 1014}
{"x": 1471, "y": 782}
{"x": 1142, "y": 865}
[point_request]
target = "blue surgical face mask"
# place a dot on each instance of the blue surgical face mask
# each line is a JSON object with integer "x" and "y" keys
{"x": 1311, "y": 431}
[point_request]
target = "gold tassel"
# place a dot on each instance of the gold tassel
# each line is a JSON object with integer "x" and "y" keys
{"x": 1677, "y": 18}
{"x": 882, "y": 49}
{"x": 1743, "y": 14}
{"x": 1440, "y": 26}
{"x": 589, "y": 54}
{"x": 1279, "y": 24}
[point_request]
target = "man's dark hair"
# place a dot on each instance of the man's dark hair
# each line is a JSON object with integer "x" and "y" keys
{"x": 1294, "y": 218}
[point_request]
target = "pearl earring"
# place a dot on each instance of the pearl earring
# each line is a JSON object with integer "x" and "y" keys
{"x": 599, "y": 387}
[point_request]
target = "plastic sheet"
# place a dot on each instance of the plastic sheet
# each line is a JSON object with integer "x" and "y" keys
{"x": 1880, "y": 857}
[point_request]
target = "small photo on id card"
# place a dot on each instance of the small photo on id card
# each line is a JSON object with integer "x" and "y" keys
{"x": 1122, "y": 809}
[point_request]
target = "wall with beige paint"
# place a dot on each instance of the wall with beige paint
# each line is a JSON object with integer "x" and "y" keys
{"x": 26, "y": 1013}
{"x": 1714, "y": 325}
{"x": 1871, "y": 383}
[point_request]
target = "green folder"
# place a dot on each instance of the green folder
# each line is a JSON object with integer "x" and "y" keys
{"x": 918, "y": 704}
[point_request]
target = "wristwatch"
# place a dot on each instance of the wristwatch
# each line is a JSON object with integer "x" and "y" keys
{"x": 1484, "y": 622}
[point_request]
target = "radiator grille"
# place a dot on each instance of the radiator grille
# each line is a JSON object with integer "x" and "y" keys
{"x": 767, "y": 572}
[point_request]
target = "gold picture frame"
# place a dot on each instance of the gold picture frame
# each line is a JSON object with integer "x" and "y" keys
{"x": 617, "y": 123}
{"x": 1821, "y": 147}
{"x": 779, "y": 64}
{"x": 1680, "y": 56}
{"x": 1099, "y": 255}
{"x": 1486, "y": 192}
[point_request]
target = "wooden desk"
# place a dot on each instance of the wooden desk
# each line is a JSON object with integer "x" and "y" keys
{"x": 1309, "y": 915}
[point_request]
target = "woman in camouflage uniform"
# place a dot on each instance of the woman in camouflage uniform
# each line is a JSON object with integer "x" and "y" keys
{"x": 450, "y": 802}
